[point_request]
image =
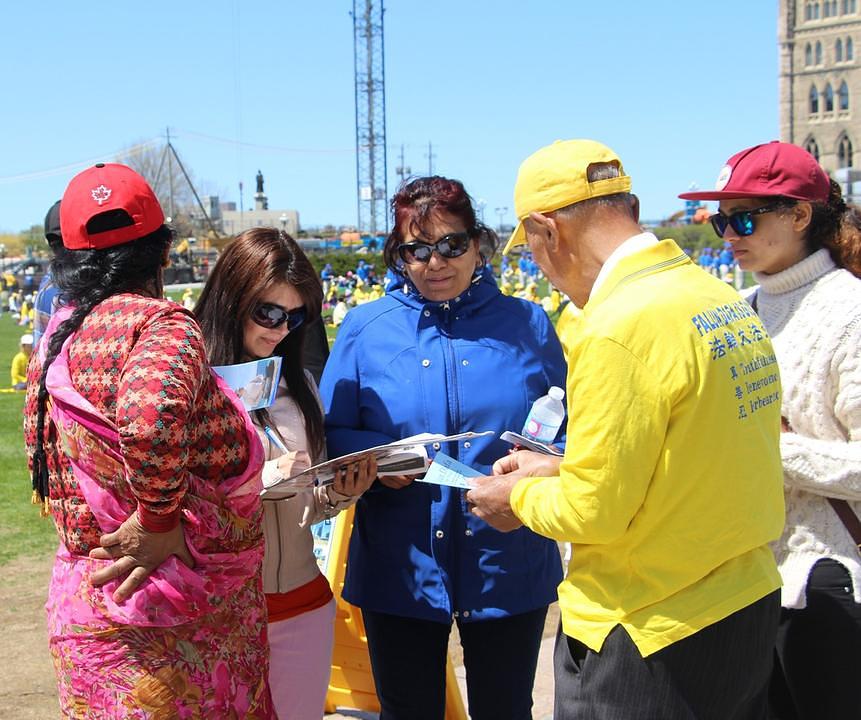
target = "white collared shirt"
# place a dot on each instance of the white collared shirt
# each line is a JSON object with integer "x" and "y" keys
{"x": 629, "y": 247}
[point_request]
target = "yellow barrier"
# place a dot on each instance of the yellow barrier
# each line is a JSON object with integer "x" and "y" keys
{"x": 352, "y": 684}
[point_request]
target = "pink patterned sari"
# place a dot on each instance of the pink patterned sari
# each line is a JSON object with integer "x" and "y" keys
{"x": 190, "y": 642}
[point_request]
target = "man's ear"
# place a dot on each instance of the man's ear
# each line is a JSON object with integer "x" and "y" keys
{"x": 547, "y": 229}
{"x": 635, "y": 207}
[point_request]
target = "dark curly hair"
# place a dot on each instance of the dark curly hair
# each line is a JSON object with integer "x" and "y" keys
{"x": 85, "y": 278}
{"x": 837, "y": 226}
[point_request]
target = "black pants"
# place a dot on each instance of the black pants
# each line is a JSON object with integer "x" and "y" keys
{"x": 408, "y": 659}
{"x": 719, "y": 673}
{"x": 817, "y": 668}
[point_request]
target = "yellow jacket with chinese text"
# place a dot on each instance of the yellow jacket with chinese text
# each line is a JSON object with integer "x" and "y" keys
{"x": 671, "y": 485}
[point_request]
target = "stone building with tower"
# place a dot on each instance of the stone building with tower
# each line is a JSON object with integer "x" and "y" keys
{"x": 820, "y": 84}
{"x": 234, "y": 221}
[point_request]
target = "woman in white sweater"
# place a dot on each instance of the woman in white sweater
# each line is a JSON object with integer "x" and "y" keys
{"x": 788, "y": 223}
{"x": 259, "y": 299}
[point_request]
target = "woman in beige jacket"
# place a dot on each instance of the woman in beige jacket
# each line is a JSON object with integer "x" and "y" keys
{"x": 257, "y": 303}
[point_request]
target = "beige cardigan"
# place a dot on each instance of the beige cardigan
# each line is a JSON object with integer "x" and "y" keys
{"x": 289, "y": 561}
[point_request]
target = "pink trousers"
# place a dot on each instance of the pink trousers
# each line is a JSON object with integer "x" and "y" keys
{"x": 300, "y": 663}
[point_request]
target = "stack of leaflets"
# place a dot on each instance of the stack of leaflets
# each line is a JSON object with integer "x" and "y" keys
{"x": 402, "y": 457}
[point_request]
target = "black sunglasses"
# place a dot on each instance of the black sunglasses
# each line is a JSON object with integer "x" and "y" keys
{"x": 448, "y": 246}
{"x": 271, "y": 316}
{"x": 742, "y": 220}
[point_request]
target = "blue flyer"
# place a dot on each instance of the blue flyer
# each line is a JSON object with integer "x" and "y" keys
{"x": 445, "y": 470}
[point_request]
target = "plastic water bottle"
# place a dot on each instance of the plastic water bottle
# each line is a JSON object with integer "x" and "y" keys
{"x": 546, "y": 416}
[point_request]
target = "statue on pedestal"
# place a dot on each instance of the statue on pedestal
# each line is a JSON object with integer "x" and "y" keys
{"x": 259, "y": 182}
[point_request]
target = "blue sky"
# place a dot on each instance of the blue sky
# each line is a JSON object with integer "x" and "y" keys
{"x": 675, "y": 88}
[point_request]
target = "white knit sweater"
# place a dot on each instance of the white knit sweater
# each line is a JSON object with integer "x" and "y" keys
{"x": 813, "y": 312}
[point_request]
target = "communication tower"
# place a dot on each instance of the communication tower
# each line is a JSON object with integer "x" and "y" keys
{"x": 369, "y": 60}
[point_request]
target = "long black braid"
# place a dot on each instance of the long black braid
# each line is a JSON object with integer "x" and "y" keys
{"x": 85, "y": 278}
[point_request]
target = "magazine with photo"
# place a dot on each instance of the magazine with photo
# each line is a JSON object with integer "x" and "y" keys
{"x": 402, "y": 457}
{"x": 255, "y": 382}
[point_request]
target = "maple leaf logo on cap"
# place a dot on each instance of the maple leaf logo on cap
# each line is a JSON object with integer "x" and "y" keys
{"x": 101, "y": 194}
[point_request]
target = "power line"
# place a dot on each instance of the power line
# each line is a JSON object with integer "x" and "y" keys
{"x": 279, "y": 148}
{"x": 65, "y": 169}
{"x": 154, "y": 142}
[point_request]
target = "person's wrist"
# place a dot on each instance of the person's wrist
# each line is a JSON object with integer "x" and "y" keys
{"x": 334, "y": 496}
{"x": 330, "y": 506}
{"x": 151, "y": 522}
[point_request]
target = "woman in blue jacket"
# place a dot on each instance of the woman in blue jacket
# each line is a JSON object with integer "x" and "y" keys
{"x": 444, "y": 352}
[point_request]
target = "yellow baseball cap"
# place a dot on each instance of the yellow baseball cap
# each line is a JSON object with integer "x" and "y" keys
{"x": 555, "y": 177}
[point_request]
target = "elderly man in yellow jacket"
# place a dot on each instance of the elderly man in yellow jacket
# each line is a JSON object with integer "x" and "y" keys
{"x": 670, "y": 488}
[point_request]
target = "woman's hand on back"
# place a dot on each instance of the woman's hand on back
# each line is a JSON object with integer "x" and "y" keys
{"x": 138, "y": 553}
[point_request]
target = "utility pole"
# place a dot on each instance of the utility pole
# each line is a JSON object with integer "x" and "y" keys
{"x": 170, "y": 155}
{"x": 170, "y": 176}
{"x": 403, "y": 171}
{"x": 431, "y": 156}
{"x": 481, "y": 203}
{"x": 370, "y": 91}
{"x": 241, "y": 208}
{"x": 501, "y": 212}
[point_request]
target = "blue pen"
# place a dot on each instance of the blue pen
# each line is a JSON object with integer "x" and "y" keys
{"x": 274, "y": 439}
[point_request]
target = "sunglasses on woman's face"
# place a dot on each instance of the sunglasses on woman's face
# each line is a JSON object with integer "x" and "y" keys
{"x": 448, "y": 246}
{"x": 742, "y": 220}
{"x": 271, "y": 316}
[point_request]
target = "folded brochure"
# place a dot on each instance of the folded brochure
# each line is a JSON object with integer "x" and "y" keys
{"x": 402, "y": 457}
{"x": 530, "y": 444}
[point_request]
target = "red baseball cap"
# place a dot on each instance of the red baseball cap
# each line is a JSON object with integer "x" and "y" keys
{"x": 775, "y": 168}
{"x": 106, "y": 205}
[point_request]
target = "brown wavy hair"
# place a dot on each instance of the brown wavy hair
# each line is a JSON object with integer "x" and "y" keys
{"x": 837, "y": 226}
{"x": 254, "y": 261}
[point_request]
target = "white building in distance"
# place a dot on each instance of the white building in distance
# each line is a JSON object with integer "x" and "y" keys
{"x": 234, "y": 221}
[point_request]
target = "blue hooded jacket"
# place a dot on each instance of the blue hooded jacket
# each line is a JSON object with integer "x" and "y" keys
{"x": 403, "y": 365}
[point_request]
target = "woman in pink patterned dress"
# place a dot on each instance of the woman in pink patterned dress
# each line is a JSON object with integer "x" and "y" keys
{"x": 151, "y": 471}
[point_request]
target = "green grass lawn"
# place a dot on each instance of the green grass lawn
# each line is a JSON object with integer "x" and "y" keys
{"x": 22, "y": 531}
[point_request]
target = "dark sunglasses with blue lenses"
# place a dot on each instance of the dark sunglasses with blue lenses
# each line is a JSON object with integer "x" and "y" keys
{"x": 742, "y": 220}
{"x": 271, "y": 316}
{"x": 448, "y": 246}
